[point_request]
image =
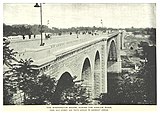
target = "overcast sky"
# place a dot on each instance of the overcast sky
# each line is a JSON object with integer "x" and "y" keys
{"x": 74, "y": 15}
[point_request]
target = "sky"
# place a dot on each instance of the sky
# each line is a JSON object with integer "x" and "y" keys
{"x": 76, "y": 15}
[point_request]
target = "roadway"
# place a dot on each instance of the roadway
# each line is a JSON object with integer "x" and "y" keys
{"x": 62, "y": 41}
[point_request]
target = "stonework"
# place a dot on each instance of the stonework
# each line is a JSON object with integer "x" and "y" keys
{"x": 83, "y": 64}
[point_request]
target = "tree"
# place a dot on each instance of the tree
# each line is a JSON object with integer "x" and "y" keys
{"x": 8, "y": 88}
{"x": 148, "y": 73}
{"x": 8, "y": 80}
{"x": 76, "y": 95}
{"x": 41, "y": 93}
{"x": 9, "y": 55}
{"x": 38, "y": 88}
{"x": 25, "y": 75}
{"x": 7, "y": 30}
{"x": 129, "y": 90}
{"x": 152, "y": 34}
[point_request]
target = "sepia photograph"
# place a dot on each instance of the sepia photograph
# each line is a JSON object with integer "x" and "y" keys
{"x": 79, "y": 54}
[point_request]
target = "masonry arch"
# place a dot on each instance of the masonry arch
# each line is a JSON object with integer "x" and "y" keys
{"x": 126, "y": 36}
{"x": 112, "y": 51}
{"x": 64, "y": 82}
{"x": 112, "y": 59}
{"x": 97, "y": 78}
{"x": 86, "y": 72}
{"x": 63, "y": 70}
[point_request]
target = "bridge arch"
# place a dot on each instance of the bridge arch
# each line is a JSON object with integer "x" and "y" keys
{"x": 112, "y": 65}
{"x": 112, "y": 51}
{"x": 97, "y": 75}
{"x": 86, "y": 74}
{"x": 65, "y": 81}
{"x": 63, "y": 70}
{"x": 126, "y": 36}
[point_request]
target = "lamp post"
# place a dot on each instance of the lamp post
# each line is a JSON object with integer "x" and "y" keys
{"x": 37, "y": 5}
{"x": 77, "y": 32}
{"x": 102, "y": 23}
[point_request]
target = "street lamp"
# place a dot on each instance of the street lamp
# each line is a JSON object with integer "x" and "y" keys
{"x": 77, "y": 32}
{"x": 37, "y": 5}
{"x": 102, "y": 23}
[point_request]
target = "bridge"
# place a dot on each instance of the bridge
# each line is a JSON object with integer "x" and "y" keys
{"x": 87, "y": 59}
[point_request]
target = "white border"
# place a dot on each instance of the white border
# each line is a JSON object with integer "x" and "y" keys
{"x": 82, "y": 1}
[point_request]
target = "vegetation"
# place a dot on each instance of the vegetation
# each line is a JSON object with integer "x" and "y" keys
{"x": 128, "y": 90}
{"x": 8, "y": 89}
{"x": 9, "y": 55}
{"x": 8, "y": 81}
{"x": 145, "y": 31}
{"x": 39, "y": 92}
{"x": 75, "y": 95}
{"x": 14, "y": 30}
{"x": 148, "y": 72}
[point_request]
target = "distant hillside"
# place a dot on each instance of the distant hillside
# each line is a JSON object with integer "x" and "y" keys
{"x": 14, "y": 30}
{"x": 24, "y": 29}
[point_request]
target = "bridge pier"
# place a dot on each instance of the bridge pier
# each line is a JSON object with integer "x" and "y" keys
{"x": 114, "y": 63}
{"x": 114, "y": 66}
{"x": 104, "y": 67}
{"x": 97, "y": 83}
{"x": 122, "y": 39}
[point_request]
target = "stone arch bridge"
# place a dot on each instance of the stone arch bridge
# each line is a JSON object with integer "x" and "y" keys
{"x": 89, "y": 61}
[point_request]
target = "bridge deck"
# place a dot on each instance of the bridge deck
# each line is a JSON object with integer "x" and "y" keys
{"x": 55, "y": 46}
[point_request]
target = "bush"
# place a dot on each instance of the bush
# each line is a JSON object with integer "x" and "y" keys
{"x": 76, "y": 95}
{"x": 129, "y": 90}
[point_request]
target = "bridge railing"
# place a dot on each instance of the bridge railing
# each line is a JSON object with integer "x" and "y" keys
{"x": 47, "y": 50}
{"x": 113, "y": 34}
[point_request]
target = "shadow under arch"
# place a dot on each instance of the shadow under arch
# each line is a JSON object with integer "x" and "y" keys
{"x": 65, "y": 82}
{"x": 97, "y": 75}
{"x": 112, "y": 54}
{"x": 86, "y": 72}
{"x": 111, "y": 62}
